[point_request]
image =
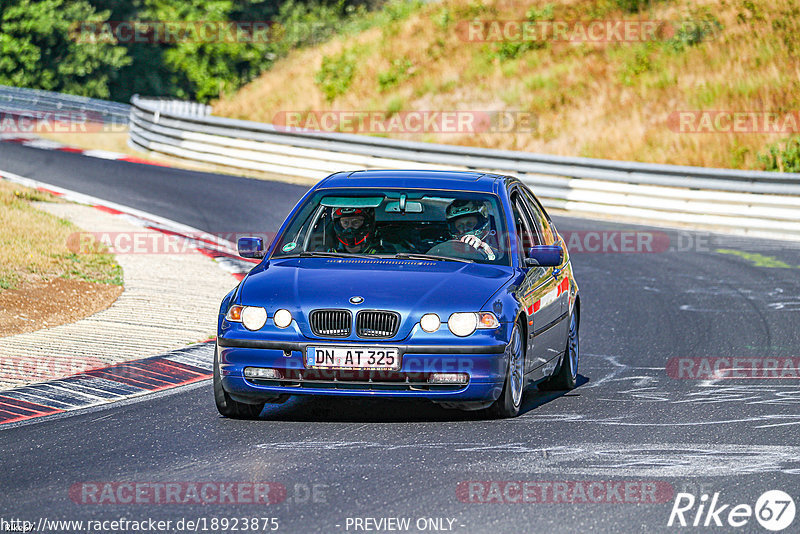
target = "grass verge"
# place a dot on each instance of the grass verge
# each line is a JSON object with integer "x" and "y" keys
{"x": 34, "y": 244}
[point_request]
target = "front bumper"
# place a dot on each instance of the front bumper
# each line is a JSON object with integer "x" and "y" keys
{"x": 481, "y": 359}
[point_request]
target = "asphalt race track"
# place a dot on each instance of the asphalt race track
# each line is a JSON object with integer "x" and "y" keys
{"x": 197, "y": 199}
{"x": 609, "y": 456}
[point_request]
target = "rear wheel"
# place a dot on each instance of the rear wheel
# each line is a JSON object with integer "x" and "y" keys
{"x": 568, "y": 373}
{"x": 510, "y": 400}
{"x": 225, "y": 404}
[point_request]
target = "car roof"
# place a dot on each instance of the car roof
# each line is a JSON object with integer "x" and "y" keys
{"x": 411, "y": 179}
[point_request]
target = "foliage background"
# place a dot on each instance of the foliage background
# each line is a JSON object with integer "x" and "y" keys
{"x": 39, "y": 48}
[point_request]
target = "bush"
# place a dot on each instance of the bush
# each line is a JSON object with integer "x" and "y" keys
{"x": 401, "y": 70}
{"x": 506, "y": 50}
{"x": 394, "y": 106}
{"x": 694, "y": 31}
{"x": 397, "y": 10}
{"x": 535, "y": 13}
{"x": 336, "y": 74}
{"x": 306, "y": 24}
{"x": 782, "y": 157}
{"x": 634, "y": 6}
{"x": 638, "y": 63}
{"x": 443, "y": 19}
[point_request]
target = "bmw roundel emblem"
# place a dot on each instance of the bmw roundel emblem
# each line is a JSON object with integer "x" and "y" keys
{"x": 356, "y": 300}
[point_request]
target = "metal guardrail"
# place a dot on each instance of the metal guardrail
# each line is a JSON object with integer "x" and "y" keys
{"x": 178, "y": 107}
{"x": 750, "y": 202}
{"x": 21, "y": 101}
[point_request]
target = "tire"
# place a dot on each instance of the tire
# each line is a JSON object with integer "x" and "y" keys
{"x": 226, "y": 406}
{"x": 510, "y": 400}
{"x": 568, "y": 372}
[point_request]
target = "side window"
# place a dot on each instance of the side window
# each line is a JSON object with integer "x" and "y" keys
{"x": 542, "y": 223}
{"x": 518, "y": 225}
{"x": 533, "y": 222}
{"x": 523, "y": 224}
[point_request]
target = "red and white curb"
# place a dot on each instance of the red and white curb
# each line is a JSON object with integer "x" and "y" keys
{"x": 47, "y": 144}
{"x": 132, "y": 378}
{"x": 109, "y": 384}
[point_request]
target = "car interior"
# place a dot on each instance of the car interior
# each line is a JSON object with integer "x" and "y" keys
{"x": 409, "y": 226}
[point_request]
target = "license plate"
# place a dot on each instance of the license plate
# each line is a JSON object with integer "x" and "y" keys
{"x": 344, "y": 357}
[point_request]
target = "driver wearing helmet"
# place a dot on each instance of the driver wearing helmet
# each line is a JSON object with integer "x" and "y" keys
{"x": 468, "y": 222}
{"x": 355, "y": 232}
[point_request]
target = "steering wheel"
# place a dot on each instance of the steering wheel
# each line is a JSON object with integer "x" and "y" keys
{"x": 458, "y": 249}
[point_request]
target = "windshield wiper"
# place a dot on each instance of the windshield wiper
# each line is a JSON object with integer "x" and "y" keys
{"x": 417, "y": 256}
{"x": 324, "y": 254}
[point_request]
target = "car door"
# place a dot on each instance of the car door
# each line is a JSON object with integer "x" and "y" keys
{"x": 552, "y": 333}
{"x": 534, "y": 291}
{"x": 550, "y": 236}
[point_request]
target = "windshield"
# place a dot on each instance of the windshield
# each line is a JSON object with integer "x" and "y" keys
{"x": 441, "y": 225}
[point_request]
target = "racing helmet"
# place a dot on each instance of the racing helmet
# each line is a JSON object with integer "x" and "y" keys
{"x": 463, "y": 208}
{"x": 353, "y": 237}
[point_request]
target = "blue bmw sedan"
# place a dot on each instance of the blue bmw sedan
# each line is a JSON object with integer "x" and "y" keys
{"x": 449, "y": 286}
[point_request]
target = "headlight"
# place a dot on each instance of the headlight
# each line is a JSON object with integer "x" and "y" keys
{"x": 282, "y": 318}
{"x": 430, "y": 322}
{"x": 462, "y": 324}
{"x": 253, "y": 317}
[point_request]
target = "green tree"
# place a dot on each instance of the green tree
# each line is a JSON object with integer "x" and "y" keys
{"x": 202, "y": 65}
{"x": 39, "y": 48}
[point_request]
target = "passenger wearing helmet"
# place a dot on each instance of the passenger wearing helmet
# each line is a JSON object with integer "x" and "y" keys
{"x": 468, "y": 222}
{"x": 355, "y": 232}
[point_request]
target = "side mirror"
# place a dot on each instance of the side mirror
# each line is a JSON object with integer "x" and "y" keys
{"x": 251, "y": 247}
{"x": 545, "y": 256}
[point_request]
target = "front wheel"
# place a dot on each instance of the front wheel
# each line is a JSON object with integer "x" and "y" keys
{"x": 510, "y": 400}
{"x": 225, "y": 404}
{"x": 568, "y": 373}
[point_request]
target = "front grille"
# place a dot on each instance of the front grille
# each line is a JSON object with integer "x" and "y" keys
{"x": 377, "y": 323}
{"x": 331, "y": 323}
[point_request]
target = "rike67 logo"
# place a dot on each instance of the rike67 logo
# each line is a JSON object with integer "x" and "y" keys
{"x": 774, "y": 510}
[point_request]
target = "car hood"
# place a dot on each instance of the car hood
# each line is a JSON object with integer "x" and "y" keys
{"x": 411, "y": 288}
